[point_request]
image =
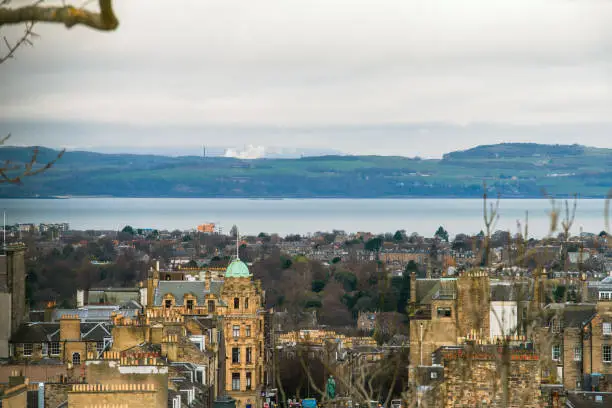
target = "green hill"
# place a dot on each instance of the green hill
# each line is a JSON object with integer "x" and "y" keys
{"x": 513, "y": 170}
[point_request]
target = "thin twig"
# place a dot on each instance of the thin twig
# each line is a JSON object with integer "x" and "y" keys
{"x": 25, "y": 39}
{"x": 26, "y": 170}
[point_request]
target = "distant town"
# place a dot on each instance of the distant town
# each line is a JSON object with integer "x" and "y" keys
{"x": 194, "y": 318}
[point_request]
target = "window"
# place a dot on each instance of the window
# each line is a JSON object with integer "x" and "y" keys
{"x": 236, "y": 381}
{"x": 556, "y": 326}
{"x": 236, "y": 303}
{"x": 55, "y": 348}
{"x": 45, "y": 349}
{"x": 100, "y": 347}
{"x": 200, "y": 375}
{"x": 434, "y": 375}
{"x": 605, "y": 295}
{"x": 76, "y": 358}
{"x": 249, "y": 355}
{"x": 168, "y": 303}
{"x": 27, "y": 349}
{"x": 235, "y": 355}
{"x": 246, "y": 303}
{"x": 211, "y": 306}
{"x": 236, "y": 331}
{"x": 190, "y": 304}
{"x": 607, "y": 329}
{"x": 577, "y": 354}
{"x": 248, "y": 380}
{"x": 606, "y": 353}
{"x": 247, "y": 331}
{"x": 556, "y": 352}
{"x": 444, "y": 312}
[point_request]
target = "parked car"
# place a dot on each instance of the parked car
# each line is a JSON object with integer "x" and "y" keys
{"x": 309, "y": 403}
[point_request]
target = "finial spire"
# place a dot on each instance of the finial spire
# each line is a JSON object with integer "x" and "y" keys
{"x": 237, "y": 243}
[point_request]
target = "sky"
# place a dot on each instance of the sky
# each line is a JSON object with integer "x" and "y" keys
{"x": 390, "y": 77}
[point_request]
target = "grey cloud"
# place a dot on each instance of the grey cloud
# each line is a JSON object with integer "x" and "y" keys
{"x": 296, "y": 63}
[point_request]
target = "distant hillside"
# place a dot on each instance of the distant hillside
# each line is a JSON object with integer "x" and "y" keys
{"x": 513, "y": 170}
{"x": 523, "y": 150}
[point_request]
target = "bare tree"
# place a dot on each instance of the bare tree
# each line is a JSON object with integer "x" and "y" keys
{"x": 14, "y": 173}
{"x": 490, "y": 215}
{"x": 68, "y": 15}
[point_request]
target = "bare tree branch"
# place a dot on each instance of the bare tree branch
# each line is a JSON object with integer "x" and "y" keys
{"x": 25, "y": 39}
{"x": 70, "y": 16}
{"x": 26, "y": 170}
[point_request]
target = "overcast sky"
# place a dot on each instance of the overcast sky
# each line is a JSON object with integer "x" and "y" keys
{"x": 366, "y": 77}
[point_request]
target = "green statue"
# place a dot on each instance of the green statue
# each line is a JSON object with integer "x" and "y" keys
{"x": 331, "y": 387}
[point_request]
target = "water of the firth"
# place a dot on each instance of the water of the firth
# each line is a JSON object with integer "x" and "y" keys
{"x": 296, "y": 216}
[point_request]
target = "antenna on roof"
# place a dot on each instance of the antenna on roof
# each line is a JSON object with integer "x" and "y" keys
{"x": 237, "y": 243}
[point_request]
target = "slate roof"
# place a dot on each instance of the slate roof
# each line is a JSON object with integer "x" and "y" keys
{"x": 179, "y": 289}
{"x": 425, "y": 289}
{"x": 510, "y": 291}
{"x": 215, "y": 287}
{"x": 99, "y": 312}
{"x": 96, "y": 332}
{"x": 576, "y": 315}
{"x": 46, "y": 332}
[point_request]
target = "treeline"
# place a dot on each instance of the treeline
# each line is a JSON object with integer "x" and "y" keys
{"x": 56, "y": 275}
{"x": 511, "y": 170}
{"x": 337, "y": 293}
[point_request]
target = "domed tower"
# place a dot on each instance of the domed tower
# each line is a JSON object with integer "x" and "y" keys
{"x": 243, "y": 330}
{"x": 237, "y": 269}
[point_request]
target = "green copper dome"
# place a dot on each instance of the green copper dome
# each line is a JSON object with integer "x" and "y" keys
{"x": 237, "y": 269}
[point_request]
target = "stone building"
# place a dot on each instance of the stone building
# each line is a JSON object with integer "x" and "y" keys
{"x": 366, "y": 321}
{"x": 473, "y": 377}
{"x": 213, "y": 319}
{"x": 15, "y": 394}
{"x": 242, "y": 312}
{"x": 12, "y": 294}
{"x": 561, "y": 343}
{"x": 68, "y": 341}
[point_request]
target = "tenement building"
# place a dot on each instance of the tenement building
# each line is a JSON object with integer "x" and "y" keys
{"x": 243, "y": 333}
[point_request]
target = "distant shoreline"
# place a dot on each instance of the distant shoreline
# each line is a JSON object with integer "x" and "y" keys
{"x": 450, "y": 197}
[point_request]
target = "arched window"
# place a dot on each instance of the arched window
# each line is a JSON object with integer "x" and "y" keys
{"x": 76, "y": 358}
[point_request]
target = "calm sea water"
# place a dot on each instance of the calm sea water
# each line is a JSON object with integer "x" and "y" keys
{"x": 295, "y": 216}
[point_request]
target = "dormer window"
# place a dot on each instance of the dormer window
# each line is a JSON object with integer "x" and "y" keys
{"x": 168, "y": 301}
{"x": 190, "y": 304}
{"x": 556, "y": 326}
